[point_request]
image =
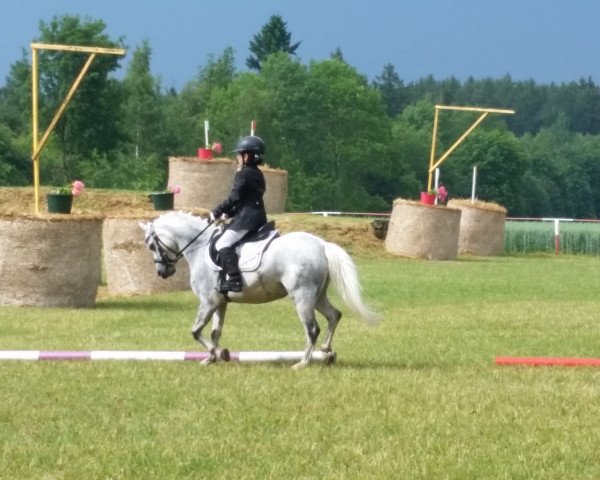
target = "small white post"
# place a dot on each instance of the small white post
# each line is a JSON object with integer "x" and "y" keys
{"x": 206, "y": 134}
{"x": 252, "y": 127}
{"x": 436, "y": 183}
{"x": 474, "y": 184}
{"x": 557, "y": 230}
{"x": 556, "y": 235}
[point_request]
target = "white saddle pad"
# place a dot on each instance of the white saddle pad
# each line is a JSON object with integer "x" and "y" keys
{"x": 250, "y": 254}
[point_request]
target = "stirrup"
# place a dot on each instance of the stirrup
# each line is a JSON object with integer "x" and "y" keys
{"x": 231, "y": 285}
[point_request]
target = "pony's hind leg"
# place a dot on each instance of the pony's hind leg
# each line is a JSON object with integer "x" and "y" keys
{"x": 333, "y": 316}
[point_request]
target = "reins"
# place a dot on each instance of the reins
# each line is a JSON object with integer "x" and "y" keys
{"x": 165, "y": 258}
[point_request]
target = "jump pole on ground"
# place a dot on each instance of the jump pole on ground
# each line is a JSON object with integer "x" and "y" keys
{"x": 153, "y": 355}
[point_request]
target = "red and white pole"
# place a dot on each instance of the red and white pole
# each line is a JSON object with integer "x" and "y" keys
{"x": 557, "y": 230}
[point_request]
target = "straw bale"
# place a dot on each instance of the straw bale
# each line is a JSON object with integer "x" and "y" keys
{"x": 204, "y": 184}
{"x": 277, "y": 185}
{"x": 481, "y": 227}
{"x": 50, "y": 260}
{"x": 130, "y": 265}
{"x": 423, "y": 231}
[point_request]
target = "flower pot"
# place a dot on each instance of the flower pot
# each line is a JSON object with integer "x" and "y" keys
{"x": 59, "y": 203}
{"x": 428, "y": 198}
{"x": 162, "y": 200}
{"x": 204, "y": 153}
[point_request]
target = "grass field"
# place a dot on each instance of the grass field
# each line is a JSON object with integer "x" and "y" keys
{"x": 418, "y": 397}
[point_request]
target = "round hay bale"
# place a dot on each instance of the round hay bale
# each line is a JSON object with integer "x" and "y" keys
{"x": 276, "y": 181}
{"x": 423, "y": 231}
{"x": 50, "y": 260}
{"x": 130, "y": 265}
{"x": 204, "y": 184}
{"x": 481, "y": 227}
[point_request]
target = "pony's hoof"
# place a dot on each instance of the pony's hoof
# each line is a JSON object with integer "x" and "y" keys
{"x": 299, "y": 366}
{"x": 209, "y": 360}
{"x": 223, "y": 354}
{"x": 329, "y": 357}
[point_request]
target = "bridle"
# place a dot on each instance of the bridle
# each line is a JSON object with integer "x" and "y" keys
{"x": 163, "y": 248}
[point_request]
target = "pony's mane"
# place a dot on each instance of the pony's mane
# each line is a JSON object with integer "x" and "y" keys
{"x": 186, "y": 216}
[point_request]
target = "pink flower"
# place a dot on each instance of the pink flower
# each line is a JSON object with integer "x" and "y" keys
{"x": 174, "y": 188}
{"x": 77, "y": 187}
{"x": 442, "y": 193}
{"x": 217, "y": 147}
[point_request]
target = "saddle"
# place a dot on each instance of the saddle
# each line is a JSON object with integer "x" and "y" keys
{"x": 249, "y": 249}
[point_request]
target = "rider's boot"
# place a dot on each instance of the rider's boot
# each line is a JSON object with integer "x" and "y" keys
{"x": 232, "y": 278}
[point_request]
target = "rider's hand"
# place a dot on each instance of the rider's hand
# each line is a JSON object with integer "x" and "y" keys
{"x": 212, "y": 217}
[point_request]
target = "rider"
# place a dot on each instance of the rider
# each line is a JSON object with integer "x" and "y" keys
{"x": 245, "y": 204}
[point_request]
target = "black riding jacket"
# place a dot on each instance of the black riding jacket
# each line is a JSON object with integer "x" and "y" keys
{"x": 245, "y": 202}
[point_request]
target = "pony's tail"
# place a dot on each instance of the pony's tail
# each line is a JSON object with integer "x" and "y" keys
{"x": 343, "y": 273}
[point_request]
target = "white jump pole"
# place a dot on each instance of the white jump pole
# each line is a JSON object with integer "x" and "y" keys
{"x": 474, "y": 184}
{"x": 436, "y": 182}
{"x": 153, "y": 355}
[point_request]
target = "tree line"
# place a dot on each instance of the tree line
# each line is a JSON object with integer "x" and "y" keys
{"x": 347, "y": 144}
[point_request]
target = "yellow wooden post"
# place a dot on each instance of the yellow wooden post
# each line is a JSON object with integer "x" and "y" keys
{"x": 34, "y": 127}
{"x": 433, "y": 142}
{"x": 433, "y": 164}
{"x": 37, "y": 144}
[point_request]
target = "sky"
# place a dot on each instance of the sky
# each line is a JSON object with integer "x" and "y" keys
{"x": 544, "y": 40}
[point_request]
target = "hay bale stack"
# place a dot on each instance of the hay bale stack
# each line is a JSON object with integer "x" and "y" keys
{"x": 481, "y": 227}
{"x": 130, "y": 265}
{"x": 277, "y": 185}
{"x": 204, "y": 184}
{"x": 50, "y": 260}
{"x": 423, "y": 231}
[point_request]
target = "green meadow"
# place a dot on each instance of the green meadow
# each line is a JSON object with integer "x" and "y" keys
{"x": 418, "y": 396}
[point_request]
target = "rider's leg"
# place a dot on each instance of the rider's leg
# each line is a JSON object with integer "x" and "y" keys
{"x": 228, "y": 260}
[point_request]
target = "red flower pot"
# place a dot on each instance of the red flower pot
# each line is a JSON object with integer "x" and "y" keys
{"x": 428, "y": 198}
{"x": 204, "y": 153}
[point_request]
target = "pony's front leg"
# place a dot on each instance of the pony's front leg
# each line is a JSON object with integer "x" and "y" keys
{"x": 205, "y": 312}
{"x": 217, "y": 328}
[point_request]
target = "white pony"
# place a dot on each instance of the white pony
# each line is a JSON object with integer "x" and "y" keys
{"x": 296, "y": 264}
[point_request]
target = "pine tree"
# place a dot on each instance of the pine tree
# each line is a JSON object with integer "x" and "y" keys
{"x": 272, "y": 38}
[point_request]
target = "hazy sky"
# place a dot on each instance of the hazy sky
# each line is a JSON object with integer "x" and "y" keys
{"x": 545, "y": 40}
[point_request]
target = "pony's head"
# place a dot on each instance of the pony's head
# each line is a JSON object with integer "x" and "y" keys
{"x": 170, "y": 235}
{"x": 163, "y": 248}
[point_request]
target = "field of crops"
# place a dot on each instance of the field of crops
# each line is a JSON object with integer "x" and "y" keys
{"x": 538, "y": 237}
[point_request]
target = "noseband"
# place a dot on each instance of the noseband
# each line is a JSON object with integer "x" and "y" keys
{"x": 163, "y": 248}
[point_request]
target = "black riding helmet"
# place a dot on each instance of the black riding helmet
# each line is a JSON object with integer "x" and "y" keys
{"x": 250, "y": 144}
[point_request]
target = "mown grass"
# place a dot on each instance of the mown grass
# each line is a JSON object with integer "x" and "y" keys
{"x": 417, "y": 397}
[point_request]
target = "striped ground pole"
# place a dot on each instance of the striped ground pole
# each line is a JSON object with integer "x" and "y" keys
{"x": 153, "y": 355}
{"x": 549, "y": 361}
